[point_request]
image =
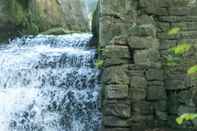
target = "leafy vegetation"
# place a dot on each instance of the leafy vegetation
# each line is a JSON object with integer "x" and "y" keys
{"x": 192, "y": 70}
{"x": 174, "y": 58}
{"x": 174, "y": 31}
{"x": 181, "y": 49}
{"x": 99, "y": 63}
{"x": 186, "y": 117}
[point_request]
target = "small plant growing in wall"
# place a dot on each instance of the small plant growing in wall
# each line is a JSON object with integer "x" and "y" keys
{"x": 175, "y": 57}
{"x": 99, "y": 63}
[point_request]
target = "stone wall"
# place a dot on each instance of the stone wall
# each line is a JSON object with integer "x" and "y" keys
{"x": 139, "y": 90}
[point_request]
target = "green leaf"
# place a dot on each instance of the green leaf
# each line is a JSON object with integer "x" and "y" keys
{"x": 181, "y": 49}
{"x": 186, "y": 117}
{"x": 174, "y": 31}
{"x": 192, "y": 70}
{"x": 99, "y": 63}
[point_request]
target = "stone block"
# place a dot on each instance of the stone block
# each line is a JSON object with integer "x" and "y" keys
{"x": 143, "y": 42}
{"x": 147, "y": 57}
{"x": 112, "y": 121}
{"x": 167, "y": 44}
{"x": 154, "y": 3}
{"x": 162, "y": 26}
{"x": 119, "y": 40}
{"x": 156, "y": 83}
{"x": 161, "y": 115}
{"x": 156, "y": 93}
{"x": 118, "y": 108}
{"x": 142, "y": 107}
{"x": 143, "y": 30}
{"x": 171, "y": 84}
{"x": 156, "y": 11}
{"x": 137, "y": 94}
{"x": 179, "y": 11}
{"x": 110, "y": 27}
{"x": 186, "y": 109}
{"x": 154, "y": 74}
{"x": 140, "y": 119}
{"x": 161, "y": 106}
{"x": 117, "y": 7}
{"x": 116, "y": 91}
{"x": 186, "y": 26}
{"x": 177, "y": 19}
{"x": 115, "y": 55}
{"x": 116, "y": 129}
{"x": 138, "y": 82}
{"x": 115, "y": 75}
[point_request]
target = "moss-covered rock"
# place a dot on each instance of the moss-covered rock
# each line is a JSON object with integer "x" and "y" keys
{"x": 23, "y": 17}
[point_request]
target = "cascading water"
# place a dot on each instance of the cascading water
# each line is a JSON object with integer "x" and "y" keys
{"x": 49, "y": 83}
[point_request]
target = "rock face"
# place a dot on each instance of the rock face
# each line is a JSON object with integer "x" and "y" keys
{"x": 133, "y": 41}
{"x": 35, "y": 16}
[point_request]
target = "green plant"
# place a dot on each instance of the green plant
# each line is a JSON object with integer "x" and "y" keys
{"x": 174, "y": 31}
{"x": 181, "y": 48}
{"x": 192, "y": 70}
{"x": 175, "y": 57}
{"x": 186, "y": 117}
{"x": 99, "y": 63}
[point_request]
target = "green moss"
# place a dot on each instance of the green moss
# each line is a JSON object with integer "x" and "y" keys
{"x": 17, "y": 11}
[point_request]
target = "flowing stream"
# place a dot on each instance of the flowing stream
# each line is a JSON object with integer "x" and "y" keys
{"x": 49, "y": 83}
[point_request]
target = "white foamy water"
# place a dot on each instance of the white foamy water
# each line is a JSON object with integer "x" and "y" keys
{"x": 49, "y": 83}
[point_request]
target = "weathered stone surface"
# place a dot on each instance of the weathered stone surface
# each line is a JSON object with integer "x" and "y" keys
{"x": 118, "y": 108}
{"x": 117, "y": 129}
{"x": 154, "y": 74}
{"x": 143, "y": 30}
{"x": 143, "y": 42}
{"x": 137, "y": 94}
{"x": 172, "y": 84}
{"x": 186, "y": 109}
{"x": 142, "y": 107}
{"x": 115, "y": 75}
{"x": 119, "y": 40}
{"x": 156, "y": 83}
{"x": 112, "y": 121}
{"x": 115, "y": 55}
{"x": 156, "y": 93}
{"x": 145, "y": 20}
{"x": 110, "y": 27}
{"x": 57, "y": 13}
{"x": 178, "y": 18}
{"x": 167, "y": 44}
{"x": 141, "y": 120}
{"x": 35, "y": 16}
{"x": 186, "y": 26}
{"x": 161, "y": 106}
{"x": 161, "y": 115}
{"x": 138, "y": 82}
{"x": 162, "y": 26}
{"x": 116, "y": 91}
{"x": 147, "y": 57}
{"x": 117, "y": 7}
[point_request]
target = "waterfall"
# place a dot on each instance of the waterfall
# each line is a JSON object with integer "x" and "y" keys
{"x": 49, "y": 83}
